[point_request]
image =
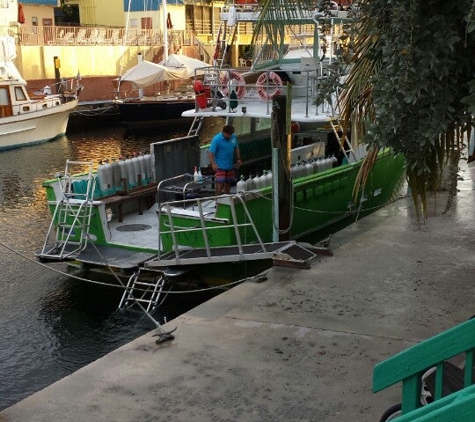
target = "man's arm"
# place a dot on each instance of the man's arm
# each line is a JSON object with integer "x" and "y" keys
{"x": 212, "y": 161}
{"x": 237, "y": 155}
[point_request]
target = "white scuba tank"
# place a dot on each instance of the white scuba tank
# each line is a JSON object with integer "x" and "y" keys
{"x": 261, "y": 180}
{"x": 115, "y": 169}
{"x": 141, "y": 162}
{"x": 147, "y": 159}
{"x": 101, "y": 176}
{"x": 241, "y": 186}
{"x": 308, "y": 168}
{"x": 314, "y": 165}
{"x": 196, "y": 176}
{"x": 269, "y": 178}
{"x": 250, "y": 183}
{"x": 137, "y": 170}
{"x": 107, "y": 176}
{"x": 123, "y": 169}
{"x": 130, "y": 172}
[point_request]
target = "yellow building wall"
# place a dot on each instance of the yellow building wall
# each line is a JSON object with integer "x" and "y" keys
{"x": 177, "y": 14}
{"x": 103, "y": 13}
{"x": 37, "y": 62}
{"x": 111, "y": 13}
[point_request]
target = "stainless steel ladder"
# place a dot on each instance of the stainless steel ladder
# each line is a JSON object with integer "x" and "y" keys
{"x": 196, "y": 126}
{"x": 72, "y": 214}
{"x": 142, "y": 291}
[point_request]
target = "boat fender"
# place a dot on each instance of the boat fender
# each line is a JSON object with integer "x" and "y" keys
{"x": 236, "y": 78}
{"x": 267, "y": 80}
{"x": 200, "y": 94}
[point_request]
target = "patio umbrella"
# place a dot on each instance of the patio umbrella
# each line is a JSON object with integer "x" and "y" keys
{"x": 147, "y": 73}
{"x": 21, "y": 14}
{"x": 180, "y": 61}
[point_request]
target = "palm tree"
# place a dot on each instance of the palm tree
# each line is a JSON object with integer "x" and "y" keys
{"x": 411, "y": 85}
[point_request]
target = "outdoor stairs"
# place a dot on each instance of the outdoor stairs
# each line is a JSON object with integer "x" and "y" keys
{"x": 226, "y": 38}
{"x": 72, "y": 214}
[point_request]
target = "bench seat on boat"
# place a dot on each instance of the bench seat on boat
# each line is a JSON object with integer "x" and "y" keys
{"x": 141, "y": 194}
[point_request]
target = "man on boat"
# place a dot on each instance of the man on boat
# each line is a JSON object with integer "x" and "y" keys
{"x": 224, "y": 157}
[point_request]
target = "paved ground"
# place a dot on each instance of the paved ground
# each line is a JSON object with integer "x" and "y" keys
{"x": 300, "y": 346}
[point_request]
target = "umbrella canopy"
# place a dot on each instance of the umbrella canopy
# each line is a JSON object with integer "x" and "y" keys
{"x": 147, "y": 73}
{"x": 21, "y": 14}
{"x": 179, "y": 61}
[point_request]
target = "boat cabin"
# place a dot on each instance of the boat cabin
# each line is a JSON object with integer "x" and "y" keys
{"x": 15, "y": 99}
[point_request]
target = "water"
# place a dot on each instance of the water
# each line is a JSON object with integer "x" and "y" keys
{"x": 50, "y": 324}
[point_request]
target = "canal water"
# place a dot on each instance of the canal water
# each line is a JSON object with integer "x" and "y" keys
{"x": 51, "y": 324}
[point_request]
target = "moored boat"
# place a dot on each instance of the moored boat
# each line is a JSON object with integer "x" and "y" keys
{"x": 30, "y": 118}
{"x": 161, "y": 107}
{"x": 164, "y": 214}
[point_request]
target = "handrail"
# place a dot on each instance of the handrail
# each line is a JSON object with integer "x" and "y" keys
{"x": 165, "y": 210}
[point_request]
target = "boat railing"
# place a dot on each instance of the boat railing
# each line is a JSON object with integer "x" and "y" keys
{"x": 199, "y": 209}
{"x": 257, "y": 86}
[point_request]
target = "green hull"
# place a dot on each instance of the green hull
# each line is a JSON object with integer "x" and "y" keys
{"x": 319, "y": 201}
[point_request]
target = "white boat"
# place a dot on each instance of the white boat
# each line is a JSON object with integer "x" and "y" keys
{"x": 26, "y": 118}
{"x": 163, "y": 106}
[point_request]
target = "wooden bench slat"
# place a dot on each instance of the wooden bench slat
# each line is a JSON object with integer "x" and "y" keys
{"x": 459, "y": 407}
{"x": 417, "y": 359}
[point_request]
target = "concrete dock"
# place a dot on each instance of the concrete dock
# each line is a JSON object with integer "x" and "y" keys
{"x": 299, "y": 346}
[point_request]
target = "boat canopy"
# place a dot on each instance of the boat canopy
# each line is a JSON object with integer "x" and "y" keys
{"x": 147, "y": 73}
{"x": 180, "y": 61}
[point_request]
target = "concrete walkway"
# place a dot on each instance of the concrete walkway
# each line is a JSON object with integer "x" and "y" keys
{"x": 300, "y": 346}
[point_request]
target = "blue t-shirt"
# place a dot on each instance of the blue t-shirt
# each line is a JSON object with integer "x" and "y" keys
{"x": 223, "y": 151}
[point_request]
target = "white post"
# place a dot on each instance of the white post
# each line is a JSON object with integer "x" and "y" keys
{"x": 140, "y": 60}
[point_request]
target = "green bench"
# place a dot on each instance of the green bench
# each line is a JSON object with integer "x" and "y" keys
{"x": 410, "y": 365}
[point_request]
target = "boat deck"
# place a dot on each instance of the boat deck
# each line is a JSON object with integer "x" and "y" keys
{"x": 119, "y": 258}
{"x": 137, "y": 231}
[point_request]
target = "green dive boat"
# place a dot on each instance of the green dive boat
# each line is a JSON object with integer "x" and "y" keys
{"x": 155, "y": 212}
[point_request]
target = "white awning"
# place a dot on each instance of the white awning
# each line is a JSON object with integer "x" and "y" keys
{"x": 147, "y": 73}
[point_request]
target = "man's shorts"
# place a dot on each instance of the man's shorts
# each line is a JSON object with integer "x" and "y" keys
{"x": 224, "y": 176}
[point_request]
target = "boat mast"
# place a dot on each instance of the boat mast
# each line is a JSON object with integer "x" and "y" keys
{"x": 165, "y": 31}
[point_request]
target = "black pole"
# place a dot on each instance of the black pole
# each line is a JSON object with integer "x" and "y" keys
{"x": 281, "y": 140}
{"x": 57, "y": 75}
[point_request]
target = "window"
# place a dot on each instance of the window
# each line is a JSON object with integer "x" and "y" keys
{"x": 20, "y": 94}
{"x": 4, "y": 96}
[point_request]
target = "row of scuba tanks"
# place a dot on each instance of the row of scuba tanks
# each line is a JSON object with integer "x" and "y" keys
{"x": 135, "y": 170}
{"x": 301, "y": 169}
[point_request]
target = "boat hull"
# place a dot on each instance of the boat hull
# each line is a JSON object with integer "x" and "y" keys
{"x": 152, "y": 112}
{"x": 35, "y": 127}
{"x": 319, "y": 201}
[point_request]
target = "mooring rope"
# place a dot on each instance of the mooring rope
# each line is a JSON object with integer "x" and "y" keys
{"x": 103, "y": 283}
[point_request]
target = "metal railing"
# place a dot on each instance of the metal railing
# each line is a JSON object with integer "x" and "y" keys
{"x": 90, "y": 35}
{"x": 167, "y": 212}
